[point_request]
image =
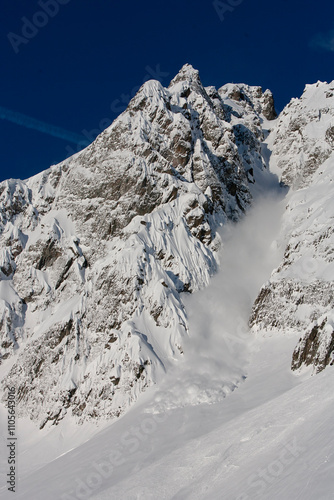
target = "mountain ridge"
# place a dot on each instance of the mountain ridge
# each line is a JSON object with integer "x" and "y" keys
{"x": 97, "y": 251}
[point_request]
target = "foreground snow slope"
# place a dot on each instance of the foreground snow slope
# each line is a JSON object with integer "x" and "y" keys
{"x": 271, "y": 438}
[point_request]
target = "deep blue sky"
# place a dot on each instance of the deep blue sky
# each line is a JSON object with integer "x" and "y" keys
{"x": 75, "y": 71}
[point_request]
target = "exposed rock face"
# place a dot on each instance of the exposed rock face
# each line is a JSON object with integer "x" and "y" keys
{"x": 96, "y": 251}
{"x": 316, "y": 347}
{"x": 302, "y": 139}
{"x": 300, "y": 294}
{"x": 263, "y": 102}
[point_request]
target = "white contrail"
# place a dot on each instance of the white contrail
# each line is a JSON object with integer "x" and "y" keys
{"x": 46, "y": 128}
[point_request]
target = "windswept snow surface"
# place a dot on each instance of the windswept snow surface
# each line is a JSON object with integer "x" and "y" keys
{"x": 270, "y": 438}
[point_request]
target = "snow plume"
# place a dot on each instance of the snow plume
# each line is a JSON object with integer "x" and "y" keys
{"x": 218, "y": 348}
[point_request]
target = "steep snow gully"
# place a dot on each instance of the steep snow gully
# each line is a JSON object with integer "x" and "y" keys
{"x": 217, "y": 350}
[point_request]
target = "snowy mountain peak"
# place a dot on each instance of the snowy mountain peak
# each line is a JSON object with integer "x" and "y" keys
{"x": 186, "y": 74}
{"x": 98, "y": 252}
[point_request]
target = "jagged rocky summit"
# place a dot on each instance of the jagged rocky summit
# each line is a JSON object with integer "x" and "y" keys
{"x": 97, "y": 251}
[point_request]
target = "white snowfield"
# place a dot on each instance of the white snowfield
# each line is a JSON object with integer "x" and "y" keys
{"x": 219, "y": 414}
{"x": 272, "y": 438}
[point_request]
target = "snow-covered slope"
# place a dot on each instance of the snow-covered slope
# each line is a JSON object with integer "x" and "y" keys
{"x": 300, "y": 294}
{"x": 271, "y": 438}
{"x": 96, "y": 251}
